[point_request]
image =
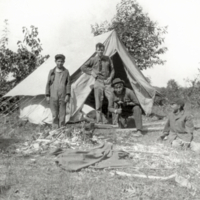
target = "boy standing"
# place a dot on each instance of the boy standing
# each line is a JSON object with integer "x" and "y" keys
{"x": 58, "y": 91}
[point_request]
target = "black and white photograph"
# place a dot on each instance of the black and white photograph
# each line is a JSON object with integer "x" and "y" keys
{"x": 99, "y": 100}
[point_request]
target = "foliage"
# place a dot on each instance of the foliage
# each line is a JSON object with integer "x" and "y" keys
{"x": 142, "y": 37}
{"x": 172, "y": 90}
{"x": 27, "y": 58}
{"x": 3, "y": 43}
{"x": 190, "y": 94}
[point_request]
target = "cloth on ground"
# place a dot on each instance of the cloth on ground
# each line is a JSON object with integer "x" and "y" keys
{"x": 102, "y": 156}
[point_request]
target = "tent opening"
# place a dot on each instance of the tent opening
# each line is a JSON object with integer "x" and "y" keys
{"x": 119, "y": 73}
{"x": 119, "y": 70}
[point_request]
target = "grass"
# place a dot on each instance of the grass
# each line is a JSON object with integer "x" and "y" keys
{"x": 37, "y": 177}
{"x": 43, "y": 180}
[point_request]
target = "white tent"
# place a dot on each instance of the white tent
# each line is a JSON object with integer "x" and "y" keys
{"x": 36, "y": 110}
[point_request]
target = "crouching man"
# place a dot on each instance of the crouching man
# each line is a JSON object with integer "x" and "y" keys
{"x": 58, "y": 90}
{"x": 179, "y": 128}
{"x": 123, "y": 104}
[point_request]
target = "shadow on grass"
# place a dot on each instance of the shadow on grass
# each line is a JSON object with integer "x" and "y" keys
{"x": 4, "y": 189}
{"x": 6, "y": 143}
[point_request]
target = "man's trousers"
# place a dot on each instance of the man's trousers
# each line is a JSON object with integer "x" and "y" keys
{"x": 129, "y": 111}
{"x": 101, "y": 89}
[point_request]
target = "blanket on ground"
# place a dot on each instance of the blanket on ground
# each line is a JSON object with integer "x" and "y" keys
{"x": 102, "y": 156}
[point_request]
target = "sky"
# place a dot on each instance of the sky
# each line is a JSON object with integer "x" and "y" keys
{"x": 66, "y": 23}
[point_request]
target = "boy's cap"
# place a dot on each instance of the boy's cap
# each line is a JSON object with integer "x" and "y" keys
{"x": 58, "y": 56}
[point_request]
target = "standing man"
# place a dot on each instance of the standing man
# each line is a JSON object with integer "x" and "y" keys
{"x": 123, "y": 103}
{"x": 101, "y": 68}
{"x": 58, "y": 91}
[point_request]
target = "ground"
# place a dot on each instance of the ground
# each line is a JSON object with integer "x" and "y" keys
{"x": 37, "y": 177}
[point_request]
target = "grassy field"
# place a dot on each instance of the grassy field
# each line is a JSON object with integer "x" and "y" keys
{"x": 37, "y": 177}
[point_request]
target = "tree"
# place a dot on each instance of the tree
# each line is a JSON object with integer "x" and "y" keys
{"x": 173, "y": 90}
{"x": 192, "y": 92}
{"x": 142, "y": 37}
{"x": 27, "y": 58}
{"x": 3, "y": 43}
{"x": 172, "y": 85}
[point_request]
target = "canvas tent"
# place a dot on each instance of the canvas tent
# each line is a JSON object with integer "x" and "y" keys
{"x": 34, "y": 107}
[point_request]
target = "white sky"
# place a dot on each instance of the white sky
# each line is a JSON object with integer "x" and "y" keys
{"x": 63, "y": 23}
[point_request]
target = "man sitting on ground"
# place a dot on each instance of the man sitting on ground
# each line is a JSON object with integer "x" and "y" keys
{"x": 123, "y": 104}
{"x": 179, "y": 127}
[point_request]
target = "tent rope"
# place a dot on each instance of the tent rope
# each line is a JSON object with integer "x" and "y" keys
{"x": 28, "y": 100}
{"x": 17, "y": 107}
{"x": 6, "y": 101}
{"x": 11, "y": 106}
{"x": 31, "y": 110}
{"x": 2, "y": 98}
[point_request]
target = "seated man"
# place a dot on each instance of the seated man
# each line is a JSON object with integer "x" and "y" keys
{"x": 123, "y": 104}
{"x": 179, "y": 127}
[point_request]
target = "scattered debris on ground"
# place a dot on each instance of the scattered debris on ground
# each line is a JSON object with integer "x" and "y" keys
{"x": 63, "y": 138}
{"x": 155, "y": 169}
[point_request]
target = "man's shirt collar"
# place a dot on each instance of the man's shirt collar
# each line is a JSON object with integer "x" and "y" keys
{"x": 100, "y": 58}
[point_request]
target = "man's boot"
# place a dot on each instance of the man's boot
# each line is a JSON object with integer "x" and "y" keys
{"x": 138, "y": 133}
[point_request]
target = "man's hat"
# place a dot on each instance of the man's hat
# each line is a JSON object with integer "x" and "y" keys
{"x": 116, "y": 81}
{"x": 58, "y": 56}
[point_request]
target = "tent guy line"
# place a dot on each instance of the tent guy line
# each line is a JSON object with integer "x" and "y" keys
{"x": 12, "y": 97}
{"x": 14, "y": 104}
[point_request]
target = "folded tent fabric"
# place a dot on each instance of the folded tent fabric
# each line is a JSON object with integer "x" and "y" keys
{"x": 102, "y": 156}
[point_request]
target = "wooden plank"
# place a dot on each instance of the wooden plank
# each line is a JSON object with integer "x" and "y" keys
{"x": 148, "y": 129}
{"x": 105, "y": 126}
{"x": 154, "y": 123}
